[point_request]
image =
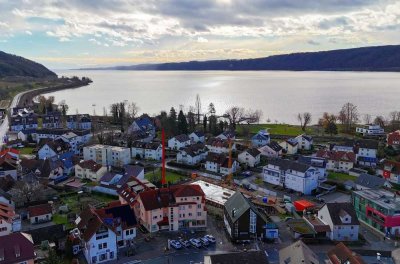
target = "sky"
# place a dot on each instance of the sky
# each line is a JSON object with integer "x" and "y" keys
{"x": 88, "y": 33}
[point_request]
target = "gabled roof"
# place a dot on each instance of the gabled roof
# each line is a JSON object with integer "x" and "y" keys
{"x": 5, "y": 194}
{"x": 292, "y": 141}
{"x": 284, "y": 164}
{"x": 316, "y": 162}
{"x": 124, "y": 214}
{"x": 237, "y": 205}
{"x": 370, "y": 181}
{"x": 395, "y": 165}
{"x": 342, "y": 254}
{"x": 89, "y": 222}
{"x": 218, "y": 158}
{"x": 274, "y": 146}
{"x": 247, "y": 257}
{"x": 144, "y": 122}
{"x": 218, "y": 142}
{"x": 16, "y": 248}
{"x": 198, "y": 133}
{"x": 253, "y": 152}
{"x": 228, "y": 134}
{"x": 90, "y": 165}
{"x": 195, "y": 149}
{"x": 298, "y": 253}
{"x": 182, "y": 138}
{"x": 336, "y": 155}
{"x": 41, "y": 209}
{"x": 336, "y": 210}
{"x": 259, "y": 136}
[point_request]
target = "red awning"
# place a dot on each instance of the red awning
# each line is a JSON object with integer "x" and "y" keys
{"x": 300, "y": 205}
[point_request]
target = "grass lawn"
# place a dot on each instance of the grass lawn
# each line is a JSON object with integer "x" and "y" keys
{"x": 62, "y": 219}
{"x": 75, "y": 202}
{"x": 281, "y": 129}
{"x": 340, "y": 177}
{"x": 26, "y": 150}
{"x": 172, "y": 177}
{"x": 258, "y": 181}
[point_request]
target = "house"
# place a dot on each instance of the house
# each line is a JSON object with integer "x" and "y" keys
{"x": 304, "y": 142}
{"x": 317, "y": 163}
{"x": 245, "y": 257}
{"x": 83, "y": 136}
{"x": 17, "y": 248}
{"x": 9, "y": 220}
{"x": 197, "y": 137}
{"x": 367, "y": 181}
{"x": 23, "y": 119}
{"x": 72, "y": 140}
{"x": 89, "y": 169}
{"x": 82, "y": 121}
{"x": 297, "y": 253}
{"x": 337, "y": 160}
{"x": 129, "y": 191}
{"x": 107, "y": 155}
{"x": 290, "y": 146}
{"x": 293, "y": 175}
{"x": 97, "y": 235}
{"x": 260, "y": 139}
{"x": 6, "y": 198}
{"x": 40, "y": 213}
{"x": 178, "y": 207}
{"x": 218, "y": 163}
{"x": 51, "y": 168}
{"x": 179, "y": 142}
{"x": 27, "y": 135}
{"x": 341, "y": 254}
{"x": 51, "y": 148}
{"x": 148, "y": 151}
{"x": 390, "y": 171}
{"x": 217, "y": 145}
{"x": 8, "y": 167}
{"x": 379, "y": 209}
{"x": 342, "y": 220}
{"x": 52, "y": 120}
{"x": 250, "y": 157}
{"x": 242, "y": 219}
{"x": 366, "y": 151}
{"x": 192, "y": 155}
{"x": 144, "y": 124}
{"x": 370, "y": 130}
{"x": 227, "y": 135}
{"x": 271, "y": 150}
{"x": 393, "y": 139}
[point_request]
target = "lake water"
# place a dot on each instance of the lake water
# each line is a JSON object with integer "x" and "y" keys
{"x": 279, "y": 94}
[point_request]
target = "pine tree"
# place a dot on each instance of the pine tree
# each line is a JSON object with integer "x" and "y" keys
{"x": 205, "y": 124}
{"x": 182, "y": 123}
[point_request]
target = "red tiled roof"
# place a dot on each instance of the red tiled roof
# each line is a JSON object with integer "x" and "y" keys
{"x": 16, "y": 248}
{"x": 340, "y": 254}
{"x": 90, "y": 164}
{"x": 41, "y": 209}
{"x": 89, "y": 224}
{"x": 337, "y": 155}
{"x": 393, "y": 138}
{"x": 10, "y": 150}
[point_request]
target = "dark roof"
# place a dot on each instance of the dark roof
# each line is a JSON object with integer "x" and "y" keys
{"x": 306, "y": 137}
{"x": 292, "y": 141}
{"x": 370, "y": 181}
{"x": 218, "y": 142}
{"x": 133, "y": 170}
{"x": 237, "y": 205}
{"x": 52, "y": 233}
{"x": 284, "y": 164}
{"x": 316, "y": 162}
{"x": 228, "y": 134}
{"x": 338, "y": 209}
{"x": 253, "y": 152}
{"x": 41, "y": 209}
{"x": 366, "y": 143}
{"x": 57, "y": 145}
{"x": 218, "y": 158}
{"x": 90, "y": 164}
{"x": 336, "y": 155}
{"x": 298, "y": 253}
{"x": 198, "y": 133}
{"x": 342, "y": 254}
{"x": 124, "y": 213}
{"x": 5, "y": 195}
{"x": 195, "y": 149}
{"x": 89, "y": 223}
{"x": 259, "y": 136}
{"x": 13, "y": 245}
{"x": 275, "y": 146}
{"x": 144, "y": 122}
{"x": 182, "y": 138}
{"x": 248, "y": 257}
{"x": 79, "y": 118}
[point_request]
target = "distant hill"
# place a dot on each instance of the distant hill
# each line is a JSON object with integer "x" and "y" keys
{"x": 379, "y": 58}
{"x": 12, "y": 65}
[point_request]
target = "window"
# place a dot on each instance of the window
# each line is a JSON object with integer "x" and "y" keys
{"x": 199, "y": 206}
{"x": 253, "y": 221}
{"x": 102, "y": 245}
{"x": 198, "y": 213}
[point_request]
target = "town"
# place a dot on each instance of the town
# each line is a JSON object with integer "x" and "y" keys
{"x": 196, "y": 187}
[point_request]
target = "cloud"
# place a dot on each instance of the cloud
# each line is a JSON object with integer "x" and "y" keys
{"x": 313, "y": 42}
{"x": 28, "y": 32}
{"x": 202, "y": 40}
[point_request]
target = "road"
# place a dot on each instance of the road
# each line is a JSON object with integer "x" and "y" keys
{"x": 4, "y": 125}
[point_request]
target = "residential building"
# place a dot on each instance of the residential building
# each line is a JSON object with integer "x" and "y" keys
{"x": 73, "y": 140}
{"x": 17, "y": 248}
{"x": 179, "y": 142}
{"x": 27, "y": 135}
{"x": 40, "y": 213}
{"x": 378, "y": 208}
{"x": 51, "y": 168}
{"x": 304, "y": 141}
{"x": 290, "y": 146}
{"x": 293, "y": 175}
{"x": 83, "y": 136}
{"x": 342, "y": 220}
{"x": 393, "y": 139}
{"x": 52, "y": 120}
{"x": 271, "y": 150}
{"x": 370, "y": 130}
{"x": 242, "y": 219}
{"x": 366, "y": 151}
{"x": 216, "y": 195}
{"x": 192, "y": 155}
{"x": 143, "y": 123}
{"x": 218, "y": 145}
{"x": 9, "y": 220}
{"x": 89, "y": 169}
{"x": 8, "y": 167}
{"x": 178, "y": 207}
{"x": 129, "y": 191}
{"x": 107, "y": 155}
{"x": 148, "y": 151}
{"x": 367, "y": 181}
{"x": 317, "y": 163}
{"x": 341, "y": 254}
{"x": 337, "y": 160}
{"x": 82, "y": 121}
{"x": 6, "y": 198}
{"x": 51, "y": 148}
{"x": 250, "y": 157}
{"x": 97, "y": 236}
{"x": 227, "y": 135}
{"x": 245, "y": 257}
{"x": 260, "y": 139}
{"x": 197, "y": 137}
{"x": 23, "y": 119}
{"x": 219, "y": 163}
{"x": 390, "y": 171}
{"x": 297, "y": 253}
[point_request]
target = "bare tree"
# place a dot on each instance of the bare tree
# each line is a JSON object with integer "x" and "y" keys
{"x": 198, "y": 108}
{"x": 367, "y": 119}
{"x": 349, "y": 116}
{"x": 380, "y": 120}
{"x": 26, "y": 193}
{"x": 394, "y": 120}
{"x": 237, "y": 115}
{"x": 304, "y": 119}
{"x": 133, "y": 110}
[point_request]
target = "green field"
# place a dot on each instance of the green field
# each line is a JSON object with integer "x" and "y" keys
{"x": 26, "y": 150}
{"x": 172, "y": 177}
{"x": 340, "y": 177}
{"x": 275, "y": 129}
{"x": 76, "y": 203}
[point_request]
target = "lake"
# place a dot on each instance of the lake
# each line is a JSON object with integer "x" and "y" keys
{"x": 279, "y": 94}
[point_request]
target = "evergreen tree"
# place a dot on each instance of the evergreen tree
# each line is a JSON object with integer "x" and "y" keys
{"x": 182, "y": 123}
{"x": 192, "y": 121}
{"x": 205, "y": 123}
{"x": 220, "y": 126}
{"x": 172, "y": 126}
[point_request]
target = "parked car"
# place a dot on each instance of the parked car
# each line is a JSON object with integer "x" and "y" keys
{"x": 184, "y": 243}
{"x": 204, "y": 241}
{"x": 247, "y": 173}
{"x": 195, "y": 242}
{"x": 210, "y": 238}
{"x": 175, "y": 244}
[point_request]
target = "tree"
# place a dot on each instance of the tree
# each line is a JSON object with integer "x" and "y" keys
{"x": 220, "y": 127}
{"x": 394, "y": 120}
{"x": 172, "y": 126}
{"x": 63, "y": 107}
{"x": 212, "y": 125}
{"x": 205, "y": 123}
{"x": 133, "y": 110}
{"x": 53, "y": 258}
{"x": 26, "y": 193}
{"x": 328, "y": 121}
{"x": 198, "y": 108}
{"x": 304, "y": 119}
{"x": 182, "y": 123}
{"x": 348, "y": 116}
{"x": 211, "y": 109}
{"x": 380, "y": 120}
{"x": 191, "y": 120}
{"x": 237, "y": 115}
{"x": 367, "y": 119}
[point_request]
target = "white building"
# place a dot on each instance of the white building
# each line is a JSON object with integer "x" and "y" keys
{"x": 262, "y": 138}
{"x": 370, "y": 130}
{"x": 179, "y": 142}
{"x": 227, "y": 135}
{"x": 292, "y": 175}
{"x": 219, "y": 163}
{"x": 305, "y": 142}
{"x": 217, "y": 145}
{"x": 192, "y": 155}
{"x": 271, "y": 150}
{"x": 197, "y": 137}
{"x": 79, "y": 121}
{"x": 366, "y": 152}
{"x": 250, "y": 157}
{"x": 148, "y": 151}
{"x": 340, "y": 161}
{"x": 290, "y": 146}
{"x": 107, "y": 155}
{"x": 342, "y": 220}
{"x": 89, "y": 169}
